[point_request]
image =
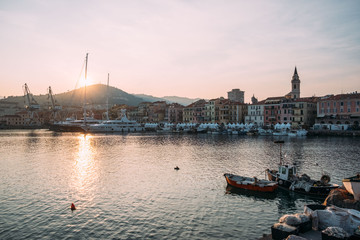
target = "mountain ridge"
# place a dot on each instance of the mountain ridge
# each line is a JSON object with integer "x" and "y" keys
{"x": 96, "y": 94}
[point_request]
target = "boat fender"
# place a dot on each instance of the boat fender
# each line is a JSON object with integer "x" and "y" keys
{"x": 307, "y": 188}
{"x": 325, "y": 179}
{"x": 281, "y": 182}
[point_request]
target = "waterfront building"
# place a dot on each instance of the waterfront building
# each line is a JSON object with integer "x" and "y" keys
{"x": 195, "y": 112}
{"x": 304, "y": 112}
{"x": 286, "y": 110}
{"x": 236, "y": 95}
{"x": 339, "y": 109}
{"x": 21, "y": 119}
{"x": 237, "y": 112}
{"x": 217, "y": 111}
{"x": 256, "y": 114}
{"x": 157, "y": 111}
{"x": 272, "y": 111}
{"x": 224, "y": 111}
{"x": 175, "y": 113}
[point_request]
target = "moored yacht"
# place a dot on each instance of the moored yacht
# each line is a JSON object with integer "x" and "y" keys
{"x": 73, "y": 125}
{"x": 117, "y": 125}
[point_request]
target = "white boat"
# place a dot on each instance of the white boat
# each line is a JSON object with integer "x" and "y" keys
{"x": 352, "y": 185}
{"x": 165, "y": 128}
{"x": 73, "y": 125}
{"x": 292, "y": 133}
{"x": 280, "y": 133}
{"x": 297, "y": 133}
{"x": 117, "y": 125}
{"x": 301, "y": 132}
{"x": 263, "y": 132}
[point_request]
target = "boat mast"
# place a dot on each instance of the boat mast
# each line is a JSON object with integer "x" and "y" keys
{"x": 86, "y": 61}
{"x": 280, "y": 143}
{"x": 107, "y": 98}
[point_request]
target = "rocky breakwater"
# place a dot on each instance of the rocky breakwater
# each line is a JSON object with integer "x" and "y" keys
{"x": 340, "y": 197}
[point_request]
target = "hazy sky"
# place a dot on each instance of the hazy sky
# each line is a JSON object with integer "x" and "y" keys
{"x": 189, "y": 48}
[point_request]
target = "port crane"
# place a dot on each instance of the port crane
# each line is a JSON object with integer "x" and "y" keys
{"x": 53, "y": 106}
{"x": 31, "y": 105}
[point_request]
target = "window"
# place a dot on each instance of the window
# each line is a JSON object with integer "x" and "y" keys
{"x": 341, "y": 103}
{"x": 294, "y": 86}
{"x": 285, "y": 118}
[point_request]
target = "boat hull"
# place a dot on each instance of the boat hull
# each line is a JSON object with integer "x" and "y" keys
{"x": 233, "y": 180}
{"x": 352, "y": 185}
{"x": 65, "y": 128}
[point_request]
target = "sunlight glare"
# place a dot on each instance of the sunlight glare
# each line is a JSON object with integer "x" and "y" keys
{"x": 85, "y": 165}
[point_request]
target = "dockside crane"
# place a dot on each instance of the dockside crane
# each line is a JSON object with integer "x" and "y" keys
{"x": 53, "y": 106}
{"x": 31, "y": 105}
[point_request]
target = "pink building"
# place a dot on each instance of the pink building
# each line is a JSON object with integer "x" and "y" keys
{"x": 339, "y": 109}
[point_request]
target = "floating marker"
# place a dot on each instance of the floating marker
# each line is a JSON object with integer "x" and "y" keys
{"x": 73, "y": 207}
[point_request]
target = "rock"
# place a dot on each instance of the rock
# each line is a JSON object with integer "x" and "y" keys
{"x": 342, "y": 198}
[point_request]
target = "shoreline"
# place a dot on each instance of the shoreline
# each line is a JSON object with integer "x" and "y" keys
{"x": 311, "y": 133}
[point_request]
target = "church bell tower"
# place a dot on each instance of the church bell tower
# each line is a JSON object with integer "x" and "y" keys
{"x": 295, "y": 85}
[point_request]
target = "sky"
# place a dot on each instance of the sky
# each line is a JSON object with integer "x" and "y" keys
{"x": 187, "y": 48}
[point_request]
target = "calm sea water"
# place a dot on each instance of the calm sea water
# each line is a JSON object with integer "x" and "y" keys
{"x": 125, "y": 186}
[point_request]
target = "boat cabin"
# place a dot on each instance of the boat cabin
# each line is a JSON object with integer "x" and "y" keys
{"x": 285, "y": 171}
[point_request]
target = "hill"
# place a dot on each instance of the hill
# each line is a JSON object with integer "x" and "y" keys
{"x": 169, "y": 99}
{"x": 95, "y": 95}
{"x": 181, "y": 100}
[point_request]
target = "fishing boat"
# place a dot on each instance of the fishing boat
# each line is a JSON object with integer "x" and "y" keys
{"x": 289, "y": 179}
{"x": 352, "y": 185}
{"x": 252, "y": 184}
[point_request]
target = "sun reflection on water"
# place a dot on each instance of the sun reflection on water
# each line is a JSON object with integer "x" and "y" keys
{"x": 85, "y": 165}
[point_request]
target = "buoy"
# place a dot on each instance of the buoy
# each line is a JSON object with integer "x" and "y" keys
{"x": 72, "y": 207}
{"x": 176, "y": 168}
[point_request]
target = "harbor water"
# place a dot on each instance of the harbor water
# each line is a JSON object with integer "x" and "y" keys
{"x": 125, "y": 186}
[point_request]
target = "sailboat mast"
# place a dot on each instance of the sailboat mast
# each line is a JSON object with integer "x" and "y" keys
{"x": 86, "y": 62}
{"x": 107, "y": 98}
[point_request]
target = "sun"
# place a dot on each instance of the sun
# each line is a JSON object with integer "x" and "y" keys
{"x": 89, "y": 81}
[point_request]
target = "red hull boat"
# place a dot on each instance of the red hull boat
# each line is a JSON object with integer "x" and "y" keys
{"x": 252, "y": 184}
